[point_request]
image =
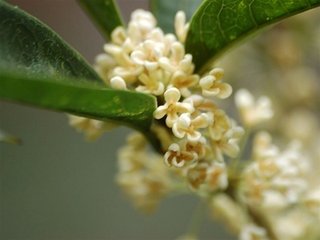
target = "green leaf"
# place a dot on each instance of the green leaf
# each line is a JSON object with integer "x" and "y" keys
{"x": 165, "y": 11}
{"x": 38, "y": 68}
{"x": 27, "y": 44}
{"x": 104, "y": 13}
{"x": 80, "y": 98}
{"x": 219, "y": 24}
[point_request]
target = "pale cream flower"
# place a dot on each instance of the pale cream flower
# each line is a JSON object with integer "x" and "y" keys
{"x": 118, "y": 83}
{"x": 198, "y": 147}
{"x": 147, "y": 54}
{"x": 92, "y": 128}
{"x": 253, "y": 112}
{"x": 142, "y": 176}
{"x": 228, "y": 143}
{"x": 197, "y": 175}
{"x": 151, "y": 83}
{"x": 119, "y": 36}
{"x": 177, "y": 157}
{"x": 186, "y": 126}
{"x": 184, "y": 82}
{"x": 212, "y": 85}
{"x": 230, "y": 212}
{"x": 253, "y": 232}
{"x": 121, "y": 57}
{"x": 296, "y": 224}
{"x": 207, "y": 176}
{"x": 172, "y": 107}
{"x": 175, "y": 63}
{"x": 276, "y": 179}
{"x": 142, "y": 22}
{"x": 181, "y": 27}
{"x": 220, "y": 125}
{"x": 104, "y": 65}
{"x": 312, "y": 201}
{"x": 217, "y": 176}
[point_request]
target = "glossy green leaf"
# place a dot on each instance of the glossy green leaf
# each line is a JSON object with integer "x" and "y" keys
{"x": 79, "y": 98}
{"x": 27, "y": 44}
{"x": 219, "y": 24}
{"x": 165, "y": 11}
{"x": 104, "y": 13}
{"x": 38, "y": 68}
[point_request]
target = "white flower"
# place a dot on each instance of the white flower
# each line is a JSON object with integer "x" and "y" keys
{"x": 104, "y": 65}
{"x": 217, "y": 176}
{"x": 118, "y": 83}
{"x": 230, "y": 212}
{"x": 142, "y": 22}
{"x": 185, "y": 126}
{"x": 151, "y": 83}
{"x": 228, "y": 143}
{"x": 276, "y": 179}
{"x": 172, "y": 107}
{"x": 147, "y": 54}
{"x": 253, "y": 232}
{"x": 312, "y": 201}
{"x": 207, "y": 176}
{"x": 177, "y": 157}
{"x": 212, "y": 85}
{"x": 253, "y": 112}
{"x": 119, "y": 36}
{"x": 92, "y": 128}
{"x": 142, "y": 176}
{"x": 184, "y": 81}
{"x": 181, "y": 27}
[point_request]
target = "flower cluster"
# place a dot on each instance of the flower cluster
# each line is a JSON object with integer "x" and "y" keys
{"x": 145, "y": 59}
{"x": 142, "y": 176}
{"x": 258, "y": 199}
{"x": 275, "y": 178}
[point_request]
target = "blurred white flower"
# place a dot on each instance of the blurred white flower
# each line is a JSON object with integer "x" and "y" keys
{"x": 212, "y": 85}
{"x": 253, "y": 232}
{"x": 253, "y": 111}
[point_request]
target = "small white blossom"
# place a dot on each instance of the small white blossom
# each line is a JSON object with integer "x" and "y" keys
{"x": 276, "y": 179}
{"x": 181, "y": 27}
{"x": 151, "y": 83}
{"x": 142, "y": 176}
{"x": 104, "y": 65}
{"x": 92, "y": 128}
{"x": 230, "y": 212}
{"x": 172, "y": 107}
{"x": 147, "y": 54}
{"x": 208, "y": 176}
{"x": 212, "y": 85}
{"x": 228, "y": 143}
{"x": 118, "y": 83}
{"x": 177, "y": 157}
{"x": 185, "y": 126}
{"x": 253, "y": 112}
{"x": 253, "y": 232}
{"x": 142, "y": 22}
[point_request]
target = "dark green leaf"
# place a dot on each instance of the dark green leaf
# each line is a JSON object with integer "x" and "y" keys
{"x": 38, "y": 68}
{"x": 27, "y": 44}
{"x": 165, "y": 10}
{"x": 219, "y": 24}
{"x": 79, "y": 98}
{"x": 104, "y": 13}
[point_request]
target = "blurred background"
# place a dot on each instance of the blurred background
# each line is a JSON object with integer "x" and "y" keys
{"x": 58, "y": 186}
